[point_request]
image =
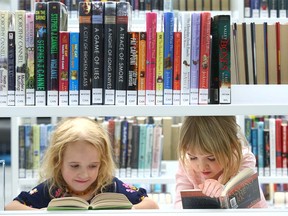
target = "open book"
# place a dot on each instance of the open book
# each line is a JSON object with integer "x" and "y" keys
{"x": 99, "y": 202}
{"x": 242, "y": 191}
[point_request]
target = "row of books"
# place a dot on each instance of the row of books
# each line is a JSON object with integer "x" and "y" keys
{"x": 104, "y": 63}
{"x": 268, "y": 138}
{"x": 137, "y": 145}
{"x": 145, "y": 5}
{"x": 260, "y": 53}
{"x": 265, "y": 8}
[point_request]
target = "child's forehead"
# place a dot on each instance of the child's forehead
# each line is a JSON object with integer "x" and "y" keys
{"x": 198, "y": 151}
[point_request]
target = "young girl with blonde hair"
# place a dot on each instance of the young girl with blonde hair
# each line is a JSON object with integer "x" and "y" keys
{"x": 78, "y": 162}
{"x": 211, "y": 150}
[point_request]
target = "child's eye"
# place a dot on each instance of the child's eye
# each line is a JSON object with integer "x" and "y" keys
{"x": 74, "y": 165}
{"x": 93, "y": 166}
{"x": 211, "y": 159}
{"x": 193, "y": 158}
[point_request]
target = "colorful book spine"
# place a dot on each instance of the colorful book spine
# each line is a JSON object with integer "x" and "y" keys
{"x": 133, "y": 41}
{"x": 3, "y": 57}
{"x": 22, "y": 165}
{"x": 28, "y": 151}
{"x": 177, "y": 67}
{"x": 123, "y": 148}
{"x": 11, "y": 68}
{"x": 204, "y": 57}
{"x": 109, "y": 52}
{"x": 97, "y": 52}
{"x": 122, "y": 12}
{"x": 278, "y": 139}
{"x": 40, "y": 53}
{"x": 261, "y": 147}
{"x": 255, "y": 8}
{"x": 85, "y": 40}
{"x": 20, "y": 57}
{"x": 168, "y": 57}
{"x": 74, "y": 69}
{"x": 36, "y": 150}
{"x": 142, "y": 69}
{"x": 30, "y": 75}
{"x": 142, "y": 149}
{"x": 264, "y": 9}
{"x": 284, "y": 139}
{"x": 185, "y": 56}
{"x": 151, "y": 39}
{"x": 159, "y": 68}
{"x": 63, "y": 68}
{"x": 157, "y": 150}
{"x": 148, "y": 150}
{"x": 195, "y": 55}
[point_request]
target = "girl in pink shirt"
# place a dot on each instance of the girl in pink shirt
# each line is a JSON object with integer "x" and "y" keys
{"x": 211, "y": 151}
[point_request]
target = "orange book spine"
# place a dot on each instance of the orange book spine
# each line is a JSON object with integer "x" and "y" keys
{"x": 177, "y": 68}
{"x": 141, "y": 68}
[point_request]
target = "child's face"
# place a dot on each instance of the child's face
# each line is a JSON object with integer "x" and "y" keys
{"x": 81, "y": 162}
{"x": 205, "y": 164}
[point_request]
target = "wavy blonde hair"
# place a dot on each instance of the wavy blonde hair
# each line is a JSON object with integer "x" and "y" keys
{"x": 216, "y": 135}
{"x": 70, "y": 130}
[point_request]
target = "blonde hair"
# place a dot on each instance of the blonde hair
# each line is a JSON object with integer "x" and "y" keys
{"x": 70, "y": 130}
{"x": 217, "y": 135}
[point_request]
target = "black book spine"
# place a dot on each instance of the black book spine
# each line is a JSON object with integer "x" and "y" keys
{"x": 109, "y": 52}
{"x": 97, "y": 52}
{"x": 122, "y": 9}
{"x": 134, "y": 149}
{"x": 11, "y": 68}
{"x": 40, "y": 52}
{"x": 85, "y": 42}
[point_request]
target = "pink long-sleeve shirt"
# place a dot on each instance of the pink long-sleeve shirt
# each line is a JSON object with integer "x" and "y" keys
{"x": 189, "y": 179}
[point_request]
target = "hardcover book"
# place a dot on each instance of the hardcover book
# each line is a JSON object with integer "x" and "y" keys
{"x": 97, "y": 52}
{"x": 99, "y": 202}
{"x": 242, "y": 191}
{"x": 40, "y": 50}
{"x": 85, "y": 48}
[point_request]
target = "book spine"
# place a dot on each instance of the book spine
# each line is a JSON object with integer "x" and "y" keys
{"x": 142, "y": 149}
{"x": 266, "y": 148}
{"x": 177, "y": 68}
{"x": 272, "y": 139}
{"x": 97, "y": 52}
{"x": 22, "y": 166}
{"x": 186, "y": 52}
{"x": 3, "y": 57}
{"x": 133, "y": 38}
{"x": 284, "y": 147}
{"x": 20, "y": 57}
{"x": 36, "y": 150}
{"x": 85, "y": 42}
{"x": 204, "y": 57}
{"x": 124, "y": 148}
{"x": 135, "y": 150}
{"x": 278, "y": 137}
{"x": 74, "y": 69}
{"x": 63, "y": 67}
{"x": 142, "y": 69}
{"x": 122, "y": 12}
{"x": 224, "y": 60}
{"x": 11, "y": 68}
{"x": 109, "y": 52}
{"x": 247, "y": 9}
{"x": 157, "y": 151}
{"x": 151, "y": 37}
{"x": 148, "y": 150}
{"x": 195, "y": 49}
{"x": 273, "y": 8}
{"x": 282, "y": 9}
{"x": 28, "y": 151}
{"x": 260, "y": 144}
{"x": 117, "y": 144}
{"x": 40, "y": 52}
{"x": 159, "y": 68}
{"x": 168, "y": 57}
{"x": 129, "y": 150}
{"x": 264, "y": 9}
{"x": 255, "y": 8}
{"x": 29, "y": 78}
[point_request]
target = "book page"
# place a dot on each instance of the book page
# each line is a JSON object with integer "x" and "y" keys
{"x": 68, "y": 202}
{"x": 110, "y": 200}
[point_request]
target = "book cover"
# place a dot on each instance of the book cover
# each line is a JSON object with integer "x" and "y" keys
{"x": 151, "y": 39}
{"x": 204, "y": 57}
{"x": 99, "y": 202}
{"x": 242, "y": 191}
{"x": 20, "y": 60}
{"x": 85, "y": 48}
{"x": 11, "y": 69}
{"x": 195, "y": 57}
{"x": 132, "y": 76}
{"x": 30, "y": 74}
{"x": 177, "y": 67}
{"x": 63, "y": 67}
{"x": 74, "y": 69}
{"x": 185, "y": 56}
{"x": 97, "y": 52}
{"x": 141, "y": 77}
{"x": 109, "y": 52}
{"x": 168, "y": 57}
{"x": 159, "y": 68}
{"x": 122, "y": 12}
{"x": 40, "y": 52}
{"x": 3, "y": 57}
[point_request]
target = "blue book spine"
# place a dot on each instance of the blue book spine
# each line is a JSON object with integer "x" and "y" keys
{"x": 254, "y": 145}
{"x": 74, "y": 68}
{"x": 195, "y": 55}
{"x": 260, "y": 144}
{"x": 168, "y": 56}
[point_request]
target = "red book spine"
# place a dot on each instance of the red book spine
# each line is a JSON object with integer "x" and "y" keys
{"x": 284, "y": 137}
{"x": 204, "y": 57}
{"x": 63, "y": 67}
{"x": 278, "y": 52}
{"x": 279, "y": 164}
{"x": 177, "y": 68}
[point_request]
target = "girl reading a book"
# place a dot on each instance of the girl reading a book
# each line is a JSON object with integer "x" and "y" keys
{"x": 78, "y": 162}
{"x": 211, "y": 151}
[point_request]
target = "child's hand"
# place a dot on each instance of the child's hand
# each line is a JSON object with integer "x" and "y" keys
{"x": 212, "y": 188}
